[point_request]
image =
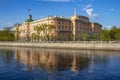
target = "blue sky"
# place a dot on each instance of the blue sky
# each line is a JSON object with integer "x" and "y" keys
{"x": 106, "y": 12}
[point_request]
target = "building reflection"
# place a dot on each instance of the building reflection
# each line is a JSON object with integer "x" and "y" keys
{"x": 53, "y": 60}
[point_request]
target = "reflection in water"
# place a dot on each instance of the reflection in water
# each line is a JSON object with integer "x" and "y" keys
{"x": 51, "y": 64}
{"x": 7, "y": 55}
{"x": 51, "y": 60}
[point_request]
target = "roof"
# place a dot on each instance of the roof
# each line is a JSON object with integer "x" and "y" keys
{"x": 29, "y": 20}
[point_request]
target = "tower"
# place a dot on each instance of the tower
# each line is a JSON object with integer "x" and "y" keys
{"x": 30, "y": 17}
{"x": 73, "y": 19}
{"x": 27, "y": 25}
{"x": 75, "y": 13}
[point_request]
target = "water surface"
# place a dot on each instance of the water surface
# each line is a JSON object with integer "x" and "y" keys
{"x": 51, "y": 64}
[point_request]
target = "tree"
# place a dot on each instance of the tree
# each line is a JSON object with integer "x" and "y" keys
{"x": 7, "y": 28}
{"x": 45, "y": 31}
{"x": 105, "y": 35}
{"x": 16, "y": 30}
{"x": 85, "y": 36}
{"x": 49, "y": 31}
{"x": 39, "y": 30}
{"x": 113, "y": 32}
{"x": 117, "y": 35}
{"x": 6, "y": 35}
{"x": 33, "y": 36}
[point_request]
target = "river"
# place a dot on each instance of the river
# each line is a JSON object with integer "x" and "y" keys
{"x": 52, "y": 64}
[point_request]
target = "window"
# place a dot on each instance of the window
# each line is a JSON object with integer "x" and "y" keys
{"x": 76, "y": 23}
{"x": 62, "y": 27}
{"x": 69, "y": 23}
{"x": 58, "y": 22}
{"x": 62, "y": 22}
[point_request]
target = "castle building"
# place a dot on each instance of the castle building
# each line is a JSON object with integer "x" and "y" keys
{"x": 76, "y": 27}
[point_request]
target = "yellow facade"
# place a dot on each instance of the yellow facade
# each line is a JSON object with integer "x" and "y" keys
{"x": 65, "y": 28}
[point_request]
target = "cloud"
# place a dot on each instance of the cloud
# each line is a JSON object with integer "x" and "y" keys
{"x": 89, "y": 10}
{"x": 90, "y": 13}
{"x": 56, "y": 0}
{"x": 87, "y": 6}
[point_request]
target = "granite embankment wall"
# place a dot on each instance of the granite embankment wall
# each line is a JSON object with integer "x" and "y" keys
{"x": 90, "y": 45}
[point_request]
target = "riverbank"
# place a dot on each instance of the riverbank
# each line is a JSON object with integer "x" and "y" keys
{"x": 92, "y": 45}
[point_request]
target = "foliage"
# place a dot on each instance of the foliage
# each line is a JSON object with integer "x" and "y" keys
{"x": 117, "y": 35}
{"x": 85, "y": 36}
{"x": 6, "y": 35}
{"x": 113, "y": 34}
{"x": 105, "y": 35}
{"x": 44, "y": 31}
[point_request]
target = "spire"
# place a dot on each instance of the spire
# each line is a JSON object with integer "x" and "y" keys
{"x": 29, "y": 17}
{"x": 75, "y": 14}
{"x": 29, "y": 11}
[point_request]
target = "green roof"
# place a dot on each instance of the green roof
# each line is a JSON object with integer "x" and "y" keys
{"x": 29, "y": 20}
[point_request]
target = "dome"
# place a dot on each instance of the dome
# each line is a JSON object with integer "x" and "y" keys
{"x": 29, "y": 18}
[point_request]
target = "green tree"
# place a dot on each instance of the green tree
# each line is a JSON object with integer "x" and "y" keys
{"x": 7, "y": 35}
{"x": 113, "y": 32}
{"x": 49, "y": 31}
{"x": 85, "y": 36}
{"x": 117, "y": 35}
{"x": 33, "y": 36}
{"x": 44, "y": 31}
{"x": 15, "y": 27}
{"x": 39, "y": 31}
{"x": 105, "y": 35}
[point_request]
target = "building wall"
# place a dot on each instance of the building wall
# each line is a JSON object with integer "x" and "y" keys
{"x": 65, "y": 29}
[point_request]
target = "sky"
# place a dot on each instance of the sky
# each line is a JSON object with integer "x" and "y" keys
{"x": 105, "y": 12}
